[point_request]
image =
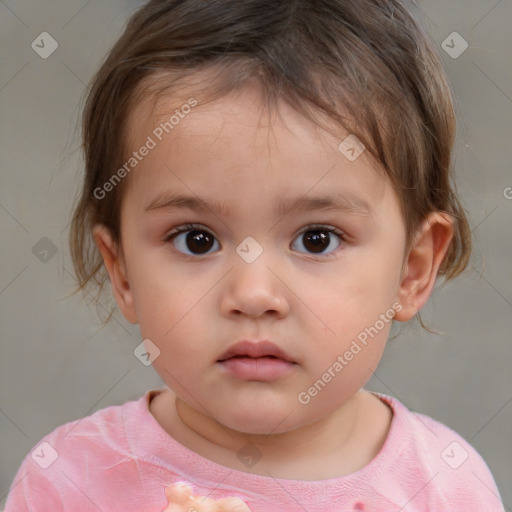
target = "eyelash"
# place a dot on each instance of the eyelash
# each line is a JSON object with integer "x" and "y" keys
{"x": 313, "y": 227}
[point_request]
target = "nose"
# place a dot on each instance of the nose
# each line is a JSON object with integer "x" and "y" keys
{"x": 254, "y": 290}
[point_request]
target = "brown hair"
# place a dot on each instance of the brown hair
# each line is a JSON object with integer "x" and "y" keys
{"x": 367, "y": 65}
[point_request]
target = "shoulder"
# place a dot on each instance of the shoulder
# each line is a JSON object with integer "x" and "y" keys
{"x": 72, "y": 453}
{"x": 98, "y": 428}
{"x": 456, "y": 474}
{"x": 104, "y": 429}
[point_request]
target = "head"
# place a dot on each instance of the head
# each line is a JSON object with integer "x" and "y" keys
{"x": 230, "y": 116}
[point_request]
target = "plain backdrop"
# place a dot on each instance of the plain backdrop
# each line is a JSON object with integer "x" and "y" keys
{"x": 58, "y": 364}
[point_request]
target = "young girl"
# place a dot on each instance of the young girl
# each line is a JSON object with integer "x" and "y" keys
{"x": 268, "y": 185}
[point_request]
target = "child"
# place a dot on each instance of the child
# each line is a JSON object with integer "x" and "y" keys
{"x": 268, "y": 185}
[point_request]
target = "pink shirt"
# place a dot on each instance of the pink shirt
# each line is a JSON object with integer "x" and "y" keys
{"x": 120, "y": 459}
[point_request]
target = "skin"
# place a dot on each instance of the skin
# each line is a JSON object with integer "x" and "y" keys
{"x": 312, "y": 305}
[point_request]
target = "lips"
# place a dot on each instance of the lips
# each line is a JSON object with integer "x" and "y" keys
{"x": 261, "y": 361}
{"x": 255, "y": 349}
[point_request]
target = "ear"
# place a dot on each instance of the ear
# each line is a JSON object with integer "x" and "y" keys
{"x": 116, "y": 268}
{"x": 425, "y": 256}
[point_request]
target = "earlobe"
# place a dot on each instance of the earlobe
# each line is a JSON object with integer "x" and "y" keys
{"x": 421, "y": 268}
{"x": 116, "y": 268}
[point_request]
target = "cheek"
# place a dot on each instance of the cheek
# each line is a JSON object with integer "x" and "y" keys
{"x": 170, "y": 311}
{"x": 357, "y": 312}
{"x": 163, "y": 293}
{"x": 376, "y": 273}
{"x": 361, "y": 292}
{"x": 345, "y": 362}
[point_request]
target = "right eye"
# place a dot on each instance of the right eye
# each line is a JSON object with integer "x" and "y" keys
{"x": 193, "y": 240}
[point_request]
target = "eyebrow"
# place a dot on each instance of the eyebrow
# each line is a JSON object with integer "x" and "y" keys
{"x": 344, "y": 203}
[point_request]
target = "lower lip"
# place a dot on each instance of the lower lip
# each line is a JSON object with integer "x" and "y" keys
{"x": 257, "y": 368}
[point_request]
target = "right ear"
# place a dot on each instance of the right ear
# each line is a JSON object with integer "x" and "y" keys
{"x": 116, "y": 268}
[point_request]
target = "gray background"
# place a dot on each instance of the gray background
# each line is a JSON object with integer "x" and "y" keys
{"x": 58, "y": 364}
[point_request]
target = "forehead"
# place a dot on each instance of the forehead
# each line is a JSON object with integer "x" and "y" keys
{"x": 238, "y": 139}
{"x": 246, "y": 106}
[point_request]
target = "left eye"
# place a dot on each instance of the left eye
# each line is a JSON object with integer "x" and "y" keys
{"x": 318, "y": 240}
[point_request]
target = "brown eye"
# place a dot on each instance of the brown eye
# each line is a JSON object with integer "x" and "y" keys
{"x": 199, "y": 242}
{"x": 194, "y": 241}
{"x": 316, "y": 241}
{"x": 322, "y": 240}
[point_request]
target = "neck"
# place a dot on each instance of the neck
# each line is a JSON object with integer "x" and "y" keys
{"x": 337, "y": 444}
{"x": 342, "y": 422}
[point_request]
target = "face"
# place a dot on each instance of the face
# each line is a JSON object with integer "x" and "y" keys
{"x": 239, "y": 225}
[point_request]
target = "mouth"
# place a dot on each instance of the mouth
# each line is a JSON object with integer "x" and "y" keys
{"x": 255, "y": 350}
{"x": 257, "y": 361}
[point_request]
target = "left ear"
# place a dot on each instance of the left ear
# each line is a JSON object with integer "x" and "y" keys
{"x": 426, "y": 254}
